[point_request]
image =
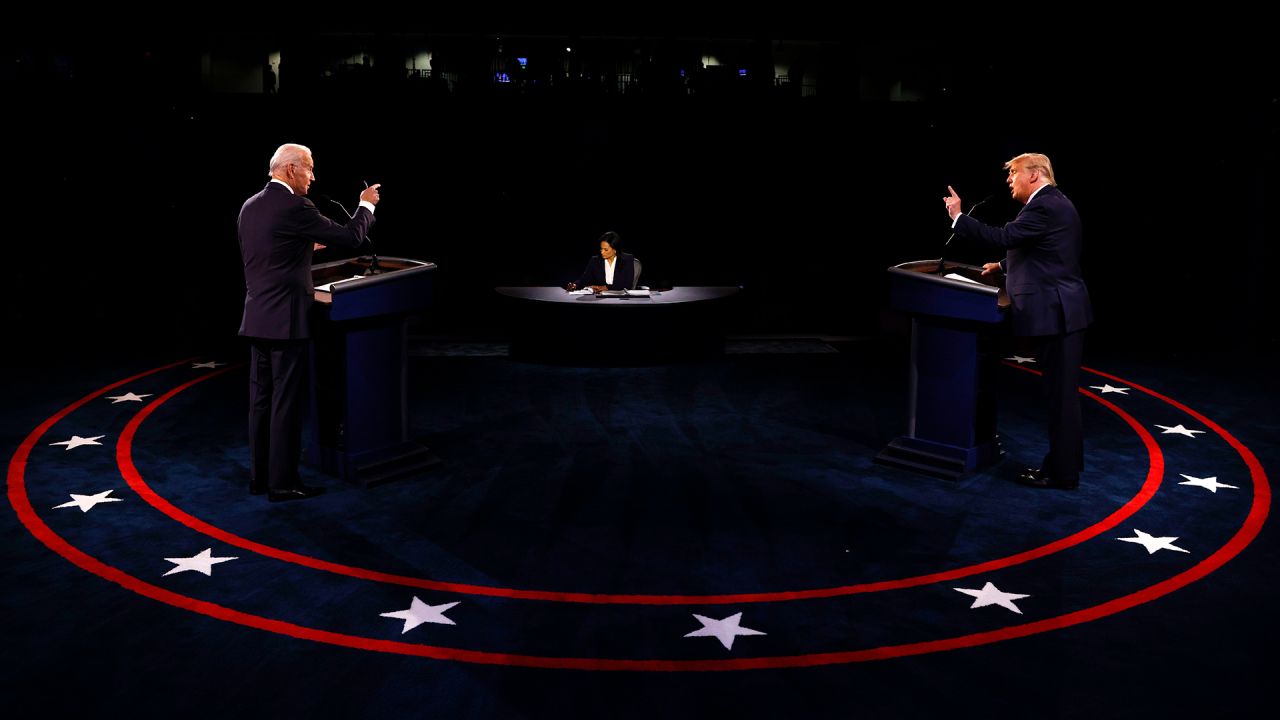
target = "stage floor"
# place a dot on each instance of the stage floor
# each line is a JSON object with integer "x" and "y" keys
{"x": 707, "y": 537}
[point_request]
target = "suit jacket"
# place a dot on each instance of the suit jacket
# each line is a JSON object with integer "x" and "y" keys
{"x": 624, "y": 272}
{"x": 1042, "y": 264}
{"x": 277, "y": 230}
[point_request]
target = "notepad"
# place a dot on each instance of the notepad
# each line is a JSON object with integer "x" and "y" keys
{"x": 957, "y": 276}
{"x": 328, "y": 287}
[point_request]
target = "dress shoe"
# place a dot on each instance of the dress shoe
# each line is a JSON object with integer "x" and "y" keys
{"x": 1037, "y": 477}
{"x": 300, "y": 492}
{"x": 260, "y": 487}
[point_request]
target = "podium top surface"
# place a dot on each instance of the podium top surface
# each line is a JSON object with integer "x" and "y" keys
{"x": 964, "y": 278}
{"x": 343, "y": 276}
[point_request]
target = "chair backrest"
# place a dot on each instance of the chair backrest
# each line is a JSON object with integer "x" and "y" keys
{"x": 635, "y": 279}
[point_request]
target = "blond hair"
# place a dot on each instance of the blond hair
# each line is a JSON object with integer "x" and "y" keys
{"x": 1033, "y": 161}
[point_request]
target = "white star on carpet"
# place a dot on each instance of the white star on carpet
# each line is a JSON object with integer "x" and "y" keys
{"x": 86, "y": 502}
{"x": 1106, "y": 388}
{"x": 127, "y": 397}
{"x": 1178, "y": 430}
{"x": 1152, "y": 544}
{"x": 202, "y": 563}
{"x": 991, "y": 595}
{"x": 723, "y": 630}
{"x": 420, "y": 612}
{"x": 209, "y": 365}
{"x": 76, "y": 441}
{"x": 1211, "y": 483}
{"x": 1020, "y": 360}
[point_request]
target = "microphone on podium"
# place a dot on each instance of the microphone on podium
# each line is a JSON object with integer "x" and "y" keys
{"x": 374, "y": 268}
{"x": 343, "y": 208}
{"x": 941, "y": 255}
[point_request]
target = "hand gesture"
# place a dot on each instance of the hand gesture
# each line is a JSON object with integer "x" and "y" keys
{"x": 952, "y": 202}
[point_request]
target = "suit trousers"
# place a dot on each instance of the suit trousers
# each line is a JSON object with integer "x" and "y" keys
{"x": 277, "y": 405}
{"x": 1062, "y": 355}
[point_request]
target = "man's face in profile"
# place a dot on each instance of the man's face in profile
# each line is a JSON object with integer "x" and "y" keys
{"x": 301, "y": 175}
{"x": 1020, "y": 180}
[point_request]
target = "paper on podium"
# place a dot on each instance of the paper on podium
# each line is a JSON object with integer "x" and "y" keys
{"x": 957, "y": 276}
{"x": 637, "y": 293}
{"x": 328, "y": 287}
{"x": 583, "y": 291}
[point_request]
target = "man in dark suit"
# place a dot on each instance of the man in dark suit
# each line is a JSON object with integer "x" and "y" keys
{"x": 612, "y": 269}
{"x": 1049, "y": 298}
{"x": 279, "y": 230}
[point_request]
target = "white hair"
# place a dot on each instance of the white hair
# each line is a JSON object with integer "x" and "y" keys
{"x": 289, "y": 153}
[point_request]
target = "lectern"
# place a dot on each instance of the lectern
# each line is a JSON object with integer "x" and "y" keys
{"x": 951, "y": 411}
{"x": 359, "y": 425}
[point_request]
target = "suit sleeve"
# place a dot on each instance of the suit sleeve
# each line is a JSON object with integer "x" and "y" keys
{"x": 314, "y": 226}
{"x": 1030, "y": 225}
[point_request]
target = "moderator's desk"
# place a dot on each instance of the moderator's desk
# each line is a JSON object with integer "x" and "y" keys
{"x": 548, "y": 324}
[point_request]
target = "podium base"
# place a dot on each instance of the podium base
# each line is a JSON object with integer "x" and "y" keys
{"x": 948, "y": 462}
{"x": 376, "y": 467}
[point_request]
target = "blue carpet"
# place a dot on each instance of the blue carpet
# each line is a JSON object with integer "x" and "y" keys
{"x": 573, "y": 504}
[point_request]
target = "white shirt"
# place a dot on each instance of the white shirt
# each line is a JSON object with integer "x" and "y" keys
{"x": 608, "y": 269}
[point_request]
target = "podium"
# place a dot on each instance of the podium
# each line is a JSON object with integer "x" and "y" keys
{"x": 359, "y": 424}
{"x": 951, "y": 411}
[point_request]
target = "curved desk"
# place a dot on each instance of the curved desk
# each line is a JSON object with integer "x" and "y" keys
{"x": 548, "y": 324}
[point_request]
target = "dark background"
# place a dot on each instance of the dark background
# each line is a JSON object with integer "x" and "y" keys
{"x": 130, "y": 152}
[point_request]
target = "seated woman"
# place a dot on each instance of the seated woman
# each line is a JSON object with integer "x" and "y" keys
{"x": 610, "y": 270}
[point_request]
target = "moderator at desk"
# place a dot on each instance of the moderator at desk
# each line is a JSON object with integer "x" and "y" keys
{"x": 548, "y": 324}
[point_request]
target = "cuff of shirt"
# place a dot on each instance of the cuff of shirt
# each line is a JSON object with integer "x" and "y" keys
{"x": 367, "y": 205}
{"x": 953, "y": 222}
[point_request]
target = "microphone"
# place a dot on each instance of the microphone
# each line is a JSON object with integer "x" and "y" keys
{"x": 941, "y": 255}
{"x": 374, "y": 268}
{"x": 326, "y": 198}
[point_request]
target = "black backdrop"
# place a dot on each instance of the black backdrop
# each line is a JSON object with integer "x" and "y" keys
{"x": 127, "y": 166}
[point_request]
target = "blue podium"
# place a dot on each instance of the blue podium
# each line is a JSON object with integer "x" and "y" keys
{"x": 951, "y": 409}
{"x": 359, "y": 423}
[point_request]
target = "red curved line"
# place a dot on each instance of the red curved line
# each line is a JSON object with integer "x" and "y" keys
{"x": 130, "y": 472}
{"x": 1248, "y": 531}
{"x": 18, "y": 464}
